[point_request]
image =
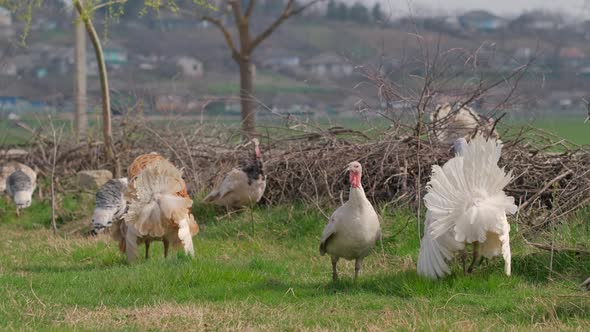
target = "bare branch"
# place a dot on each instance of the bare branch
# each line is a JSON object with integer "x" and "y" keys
{"x": 228, "y": 38}
{"x": 237, "y": 9}
{"x": 109, "y": 3}
{"x": 250, "y": 8}
{"x": 288, "y": 12}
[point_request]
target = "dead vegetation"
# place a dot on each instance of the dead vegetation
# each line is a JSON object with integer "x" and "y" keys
{"x": 551, "y": 179}
{"x": 305, "y": 161}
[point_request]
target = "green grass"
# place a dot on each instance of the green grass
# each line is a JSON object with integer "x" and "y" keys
{"x": 271, "y": 277}
{"x": 574, "y": 130}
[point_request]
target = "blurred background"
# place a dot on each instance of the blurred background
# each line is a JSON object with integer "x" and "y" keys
{"x": 316, "y": 64}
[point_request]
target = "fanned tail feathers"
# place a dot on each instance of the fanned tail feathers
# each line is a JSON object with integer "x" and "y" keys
{"x": 435, "y": 252}
{"x": 154, "y": 200}
{"x": 466, "y": 198}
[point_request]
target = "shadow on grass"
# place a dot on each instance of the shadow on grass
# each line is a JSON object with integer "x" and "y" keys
{"x": 536, "y": 268}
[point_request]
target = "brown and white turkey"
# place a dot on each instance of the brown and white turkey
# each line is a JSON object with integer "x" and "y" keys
{"x": 159, "y": 208}
{"x": 353, "y": 229}
{"x": 241, "y": 186}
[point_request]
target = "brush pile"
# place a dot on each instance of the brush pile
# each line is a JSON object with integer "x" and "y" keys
{"x": 551, "y": 176}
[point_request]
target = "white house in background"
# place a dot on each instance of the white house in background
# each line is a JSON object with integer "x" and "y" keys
{"x": 523, "y": 53}
{"x": 6, "y": 28}
{"x": 8, "y": 68}
{"x": 281, "y": 61}
{"x": 190, "y": 67}
{"x": 330, "y": 65}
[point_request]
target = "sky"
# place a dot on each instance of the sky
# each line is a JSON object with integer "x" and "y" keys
{"x": 577, "y": 8}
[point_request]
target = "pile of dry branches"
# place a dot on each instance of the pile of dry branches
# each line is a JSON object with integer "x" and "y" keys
{"x": 551, "y": 179}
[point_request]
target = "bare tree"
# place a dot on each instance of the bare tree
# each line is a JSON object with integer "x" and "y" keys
{"x": 242, "y": 51}
{"x": 80, "y": 116}
{"x": 107, "y": 129}
{"x": 24, "y": 9}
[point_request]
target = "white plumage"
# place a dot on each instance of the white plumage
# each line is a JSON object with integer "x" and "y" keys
{"x": 353, "y": 229}
{"x": 466, "y": 204}
{"x": 453, "y": 123}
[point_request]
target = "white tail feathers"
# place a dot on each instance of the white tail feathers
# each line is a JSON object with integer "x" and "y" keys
{"x": 466, "y": 194}
{"x": 154, "y": 201}
{"x": 184, "y": 234}
{"x": 434, "y": 253}
{"x": 466, "y": 201}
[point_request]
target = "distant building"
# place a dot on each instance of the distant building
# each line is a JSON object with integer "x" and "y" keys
{"x": 173, "y": 103}
{"x": 25, "y": 63}
{"x": 281, "y": 61}
{"x": 481, "y": 20}
{"x": 536, "y": 20}
{"x": 8, "y": 68}
{"x": 572, "y": 56}
{"x": 330, "y": 65}
{"x": 6, "y": 28}
{"x": 190, "y": 67}
{"x": 14, "y": 104}
{"x": 523, "y": 53}
{"x": 115, "y": 57}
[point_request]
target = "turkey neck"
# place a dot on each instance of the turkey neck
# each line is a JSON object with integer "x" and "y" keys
{"x": 357, "y": 194}
{"x": 254, "y": 171}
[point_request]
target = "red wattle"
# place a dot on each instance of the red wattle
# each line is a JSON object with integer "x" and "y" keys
{"x": 355, "y": 179}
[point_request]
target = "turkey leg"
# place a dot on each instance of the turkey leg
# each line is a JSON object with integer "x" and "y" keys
{"x": 475, "y": 256}
{"x": 334, "y": 271}
{"x": 166, "y": 245}
{"x": 464, "y": 261}
{"x": 357, "y": 267}
{"x": 147, "y": 249}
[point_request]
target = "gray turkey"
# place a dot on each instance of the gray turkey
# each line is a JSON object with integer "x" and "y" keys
{"x": 110, "y": 204}
{"x": 241, "y": 186}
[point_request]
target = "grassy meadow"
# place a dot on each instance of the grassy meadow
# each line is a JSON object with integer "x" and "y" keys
{"x": 265, "y": 273}
{"x": 262, "y": 271}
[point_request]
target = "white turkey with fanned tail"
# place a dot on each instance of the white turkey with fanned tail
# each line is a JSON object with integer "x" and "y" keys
{"x": 466, "y": 204}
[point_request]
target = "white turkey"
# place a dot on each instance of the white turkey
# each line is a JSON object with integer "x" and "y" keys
{"x": 241, "y": 187}
{"x": 110, "y": 204}
{"x": 19, "y": 181}
{"x": 467, "y": 205}
{"x": 453, "y": 123}
{"x": 353, "y": 229}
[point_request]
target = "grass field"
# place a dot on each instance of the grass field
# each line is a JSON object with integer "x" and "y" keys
{"x": 268, "y": 275}
{"x": 271, "y": 277}
{"x": 574, "y": 130}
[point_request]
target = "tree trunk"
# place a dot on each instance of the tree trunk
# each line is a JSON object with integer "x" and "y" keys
{"x": 247, "y": 98}
{"x": 80, "y": 116}
{"x": 104, "y": 87}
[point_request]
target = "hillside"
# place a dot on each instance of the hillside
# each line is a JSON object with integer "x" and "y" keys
{"x": 307, "y": 61}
